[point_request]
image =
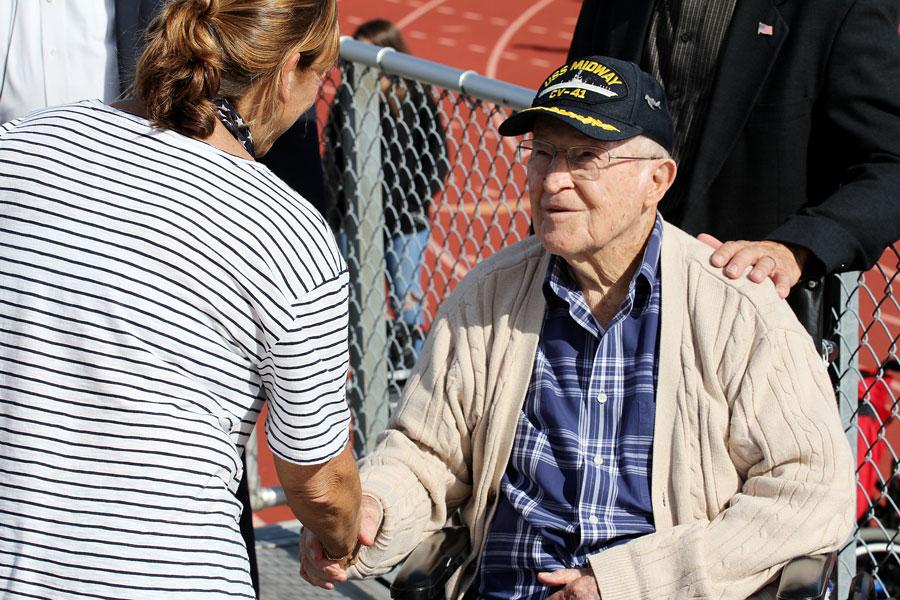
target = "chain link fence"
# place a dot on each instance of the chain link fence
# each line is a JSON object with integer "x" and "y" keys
{"x": 422, "y": 187}
{"x": 865, "y": 311}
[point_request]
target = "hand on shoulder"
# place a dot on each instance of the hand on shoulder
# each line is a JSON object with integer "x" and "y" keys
{"x": 763, "y": 259}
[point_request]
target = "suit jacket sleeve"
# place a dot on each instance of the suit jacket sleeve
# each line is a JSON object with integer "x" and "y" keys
{"x": 858, "y": 119}
{"x": 786, "y": 441}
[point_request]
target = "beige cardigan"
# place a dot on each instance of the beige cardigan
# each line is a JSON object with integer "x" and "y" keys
{"x": 748, "y": 448}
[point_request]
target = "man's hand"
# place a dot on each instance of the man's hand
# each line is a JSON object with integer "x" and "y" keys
{"x": 580, "y": 584}
{"x": 324, "y": 573}
{"x": 780, "y": 263}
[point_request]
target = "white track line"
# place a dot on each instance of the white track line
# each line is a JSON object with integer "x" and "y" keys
{"x": 890, "y": 319}
{"x": 418, "y": 13}
{"x": 500, "y": 46}
{"x": 890, "y": 270}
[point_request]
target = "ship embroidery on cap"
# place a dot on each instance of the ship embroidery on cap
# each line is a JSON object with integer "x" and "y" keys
{"x": 577, "y": 82}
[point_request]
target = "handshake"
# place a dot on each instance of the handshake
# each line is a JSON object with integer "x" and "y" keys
{"x": 322, "y": 568}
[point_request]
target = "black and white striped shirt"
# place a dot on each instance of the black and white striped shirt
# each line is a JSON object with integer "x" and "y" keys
{"x": 154, "y": 291}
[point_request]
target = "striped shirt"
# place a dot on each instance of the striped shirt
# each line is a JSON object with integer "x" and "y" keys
{"x": 154, "y": 292}
{"x": 682, "y": 52}
{"x": 578, "y": 479}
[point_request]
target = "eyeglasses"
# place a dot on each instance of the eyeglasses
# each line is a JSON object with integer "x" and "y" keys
{"x": 584, "y": 162}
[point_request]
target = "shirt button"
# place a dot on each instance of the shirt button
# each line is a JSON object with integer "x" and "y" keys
{"x": 601, "y": 397}
{"x": 52, "y": 51}
{"x": 594, "y": 520}
{"x": 598, "y": 460}
{"x": 685, "y": 37}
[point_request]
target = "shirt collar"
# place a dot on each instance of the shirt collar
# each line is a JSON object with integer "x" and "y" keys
{"x": 559, "y": 282}
{"x": 647, "y": 276}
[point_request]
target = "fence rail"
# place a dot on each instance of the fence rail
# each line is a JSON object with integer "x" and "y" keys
{"x": 422, "y": 187}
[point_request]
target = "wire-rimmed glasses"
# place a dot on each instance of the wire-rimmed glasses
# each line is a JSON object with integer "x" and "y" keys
{"x": 584, "y": 162}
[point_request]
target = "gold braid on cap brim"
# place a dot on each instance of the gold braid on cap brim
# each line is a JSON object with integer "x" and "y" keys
{"x": 567, "y": 113}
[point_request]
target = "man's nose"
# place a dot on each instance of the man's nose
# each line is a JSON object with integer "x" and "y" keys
{"x": 557, "y": 176}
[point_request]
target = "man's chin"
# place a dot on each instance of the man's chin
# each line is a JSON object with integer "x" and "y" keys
{"x": 556, "y": 242}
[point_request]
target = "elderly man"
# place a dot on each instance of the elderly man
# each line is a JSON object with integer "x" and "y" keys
{"x": 608, "y": 413}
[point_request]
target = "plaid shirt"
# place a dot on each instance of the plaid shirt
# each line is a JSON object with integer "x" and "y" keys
{"x": 578, "y": 479}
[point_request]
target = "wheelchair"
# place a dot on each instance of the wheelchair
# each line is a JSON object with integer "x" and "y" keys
{"x": 426, "y": 570}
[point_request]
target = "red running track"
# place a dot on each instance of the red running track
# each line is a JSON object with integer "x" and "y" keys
{"x": 518, "y": 41}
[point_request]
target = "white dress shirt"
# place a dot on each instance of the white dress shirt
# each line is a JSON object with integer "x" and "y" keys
{"x": 56, "y": 51}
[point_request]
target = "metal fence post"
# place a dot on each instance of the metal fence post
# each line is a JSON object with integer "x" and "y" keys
{"x": 845, "y": 316}
{"x": 368, "y": 395}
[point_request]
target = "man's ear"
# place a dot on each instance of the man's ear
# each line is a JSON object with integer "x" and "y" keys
{"x": 288, "y": 76}
{"x": 661, "y": 179}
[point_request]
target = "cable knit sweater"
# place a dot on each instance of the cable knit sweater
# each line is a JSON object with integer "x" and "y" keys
{"x": 750, "y": 465}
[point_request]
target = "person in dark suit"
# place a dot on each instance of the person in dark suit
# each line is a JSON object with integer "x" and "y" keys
{"x": 296, "y": 159}
{"x": 787, "y": 119}
{"x": 132, "y": 18}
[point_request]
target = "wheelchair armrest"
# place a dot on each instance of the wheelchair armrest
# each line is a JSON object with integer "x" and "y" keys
{"x": 428, "y": 567}
{"x": 806, "y": 577}
{"x": 862, "y": 587}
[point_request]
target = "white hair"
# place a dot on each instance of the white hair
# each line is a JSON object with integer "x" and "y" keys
{"x": 644, "y": 146}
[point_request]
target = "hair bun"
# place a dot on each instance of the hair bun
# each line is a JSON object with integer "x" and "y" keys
{"x": 202, "y": 8}
{"x": 183, "y": 63}
{"x": 198, "y": 50}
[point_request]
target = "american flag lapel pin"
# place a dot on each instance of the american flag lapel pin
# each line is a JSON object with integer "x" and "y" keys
{"x": 764, "y": 29}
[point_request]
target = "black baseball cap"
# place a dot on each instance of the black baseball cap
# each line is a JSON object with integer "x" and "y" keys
{"x": 604, "y": 98}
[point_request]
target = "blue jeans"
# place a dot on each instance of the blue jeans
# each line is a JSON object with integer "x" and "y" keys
{"x": 403, "y": 261}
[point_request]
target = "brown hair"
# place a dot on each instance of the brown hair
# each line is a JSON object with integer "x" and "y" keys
{"x": 382, "y": 32}
{"x": 198, "y": 50}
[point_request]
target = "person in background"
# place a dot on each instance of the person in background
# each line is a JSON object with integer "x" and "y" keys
{"x": 787, "y": 132}
{"x": 65, "y": 50}
{"x": 875, "y": 420}
{"x": 157, "y": 285}
{"x": 414, "y": 158}
{"x": 607, "y": 413}
{"x": 297, "y": 160}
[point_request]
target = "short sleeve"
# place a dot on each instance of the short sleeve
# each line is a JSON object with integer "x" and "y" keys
{"x": 305, "y": 377}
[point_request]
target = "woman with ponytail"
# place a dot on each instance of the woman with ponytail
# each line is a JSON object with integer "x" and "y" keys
{"x": 157, "y": 287}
